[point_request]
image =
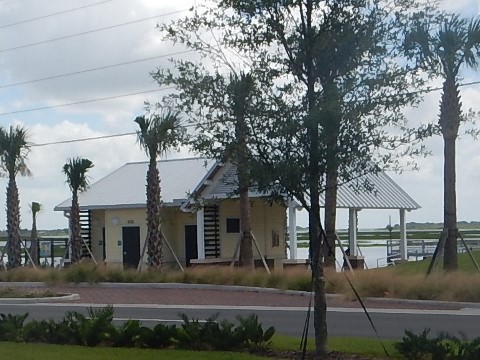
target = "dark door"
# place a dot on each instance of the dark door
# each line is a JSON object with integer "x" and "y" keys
{"x": 191, "y": 250}
{"x": 131, "y": 246}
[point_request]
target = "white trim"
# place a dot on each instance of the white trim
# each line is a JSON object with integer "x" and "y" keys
{"x": 200, "y": 234}
{"x": 403, "y": 236}
{"x": 292, "y": 229}
{"x": 352, "y": 231}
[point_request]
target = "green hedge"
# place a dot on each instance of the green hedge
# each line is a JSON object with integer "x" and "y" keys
{"x": 97, "y": 329}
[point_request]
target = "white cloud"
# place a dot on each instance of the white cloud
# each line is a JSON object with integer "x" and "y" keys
{"x": 137, "y": 41}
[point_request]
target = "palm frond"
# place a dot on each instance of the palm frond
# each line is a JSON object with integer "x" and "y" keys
{"x": 35, "y": 207}
{"x": 159, "y": 132}
{"x": 76, "y": 170}
{"x": 14, "y": 149}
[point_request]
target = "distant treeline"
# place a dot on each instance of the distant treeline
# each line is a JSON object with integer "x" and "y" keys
{"x": 420, "y": 226}
{"x": 24, "y": 233}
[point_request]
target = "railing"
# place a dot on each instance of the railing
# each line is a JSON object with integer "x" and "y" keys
{"x": 422, "y": 248}
{"x": 51, "y": 251}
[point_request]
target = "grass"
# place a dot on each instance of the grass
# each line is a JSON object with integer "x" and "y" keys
{"x": 350, "y": 345}
{"x": 19, "y": 293}
{"x": 359, "y": 346}
{"x": 48, "y": 352}
{"x": 407, "y": 280}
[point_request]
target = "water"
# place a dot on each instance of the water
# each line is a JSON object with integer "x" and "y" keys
{"x": 375, "y": 256}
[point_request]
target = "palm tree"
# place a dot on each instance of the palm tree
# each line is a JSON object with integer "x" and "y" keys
{"x": 240, "y": 91}
{"x": 35, "y": 207}
{"x": 76, "y": 170}
{"x": 14, "y": 147}
{"x": 455, "y": 44}
{"x": 157, "y": 134}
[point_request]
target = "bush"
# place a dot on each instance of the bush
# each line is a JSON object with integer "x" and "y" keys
{"x": 252, "y": 331}
{"x": 97, "y": 329}
{"x": 11, "y": 327}
{"x": 444, "y": 346}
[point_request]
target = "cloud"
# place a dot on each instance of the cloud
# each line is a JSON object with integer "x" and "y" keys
{"x": 142, "y": 40}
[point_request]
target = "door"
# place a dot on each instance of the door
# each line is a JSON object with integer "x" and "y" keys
{"x": 131, "y": 246}
{"x": 191, "y": 249}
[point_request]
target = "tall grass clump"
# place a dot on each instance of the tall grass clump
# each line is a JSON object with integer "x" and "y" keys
{"x": 298, "y": 279}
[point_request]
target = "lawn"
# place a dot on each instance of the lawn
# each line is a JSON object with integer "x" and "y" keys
{"x": 49, "y": 352}
{"x": 359, "y": 346}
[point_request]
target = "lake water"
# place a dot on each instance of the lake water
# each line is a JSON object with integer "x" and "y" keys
{"x": 375, "y": 256}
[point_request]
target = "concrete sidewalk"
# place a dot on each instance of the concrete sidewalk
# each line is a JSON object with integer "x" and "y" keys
{"x": 198, "y": 294}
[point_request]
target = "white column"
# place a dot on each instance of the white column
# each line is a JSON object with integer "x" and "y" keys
{"x": 292, "y": 230}
{"x": 200, "y": 234}
{"x": 403, "y": 236}
{"x": 352, "y": 231}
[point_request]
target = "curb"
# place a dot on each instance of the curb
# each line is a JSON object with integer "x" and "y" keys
{"x": 40, "y": 300}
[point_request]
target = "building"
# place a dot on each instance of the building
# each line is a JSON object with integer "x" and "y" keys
{"x": 204, "y": 231}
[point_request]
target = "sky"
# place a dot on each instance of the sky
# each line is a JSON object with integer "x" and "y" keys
{"x": 38, "y": 40}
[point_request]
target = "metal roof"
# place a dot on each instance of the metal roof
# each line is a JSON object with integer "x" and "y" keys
{"x": 385, "y": 194}
{"x": 125, "y": 187}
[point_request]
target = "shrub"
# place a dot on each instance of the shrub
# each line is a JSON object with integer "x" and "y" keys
{"x": 129, "y": 334}
{"x": 97, "y": 329}
{"x": 92, "y": 330}
{"x": 161, "y": 336}
{"x": 444, "y": 346}
{"x": 252, "y": 331}
{"x": 11, "y": 327}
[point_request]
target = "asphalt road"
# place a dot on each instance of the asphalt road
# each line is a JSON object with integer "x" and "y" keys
{"x": 390, "y": 323}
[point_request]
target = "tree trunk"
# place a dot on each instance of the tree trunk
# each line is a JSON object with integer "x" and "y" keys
{"x": 246, "y": 249}
{"x": 450, "y": 206}
{"x": 154, "y": 231}
{"x": 75, "y": 230}
{"x": 240, "y": 94}
{"x": 330, "y": 218}
{"x": 34, "y": 240}
{"x": 450, "y": 115}
{"x": 13, "y": 225}
{"x": 314, "y": 225}
{"x": 317, "y": 256}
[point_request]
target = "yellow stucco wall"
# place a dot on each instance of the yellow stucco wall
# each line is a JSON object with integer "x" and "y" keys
{"x": 173, "y": 223}
{"x": 265, "y": 219}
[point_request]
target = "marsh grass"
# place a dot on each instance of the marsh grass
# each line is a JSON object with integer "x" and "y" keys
{"x": 393, "y": 282}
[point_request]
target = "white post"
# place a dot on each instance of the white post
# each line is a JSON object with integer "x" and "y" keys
{"x": 403, "y": 236}
{"x": 352, "y": 231}
{"x": 292, "y": 230}
{"x": 200, "y": 234}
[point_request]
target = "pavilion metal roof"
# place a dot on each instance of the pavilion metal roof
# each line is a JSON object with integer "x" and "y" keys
{"x": 383, "y": 193}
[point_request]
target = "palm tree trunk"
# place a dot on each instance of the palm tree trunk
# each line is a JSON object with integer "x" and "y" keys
{"x": 246, "y": 250}
{"x": 76, "y": 230}
{"x": 13, "y": 225}
{"x": 154, "y": 231}
{"x": 450, "y": 206}
{"x": 34, "y": 240}
{"x": 450, "y": 114}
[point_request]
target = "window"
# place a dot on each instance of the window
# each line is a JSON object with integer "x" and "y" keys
{"x": 275, "y": 238}
{"x": 233, "y": 225}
